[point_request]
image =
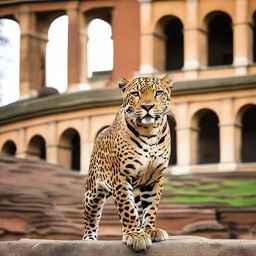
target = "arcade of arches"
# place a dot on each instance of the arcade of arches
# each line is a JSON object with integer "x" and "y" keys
{"x": 183, "y": 36}
{"x": 200, "y": 141}
{"x": 214, "y": 96}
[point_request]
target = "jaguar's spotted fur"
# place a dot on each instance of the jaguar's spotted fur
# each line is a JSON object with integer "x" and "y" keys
{"x": 128, "y": 162}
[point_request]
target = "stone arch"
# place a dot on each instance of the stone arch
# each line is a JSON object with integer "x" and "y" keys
{"x": 207, "y": 137}
{"x": 36, "y": 148}
{"x": 9, "y": 148}
{"x": 70, "y": 149}
{"x": 220, "y": 38}
{"x": 172, "y": 125}
{"x": 246, "y": 117}
{"x": 169, "y": 44}
{"x": 57, "y": 53}
{"x": 10, "y": 59}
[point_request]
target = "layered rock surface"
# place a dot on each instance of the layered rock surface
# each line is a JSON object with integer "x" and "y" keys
{"x": 40, "y": 200}
{"x": 176, "y": 246}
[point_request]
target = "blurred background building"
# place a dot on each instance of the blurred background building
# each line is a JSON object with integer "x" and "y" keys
{"x": 208, "y": 45}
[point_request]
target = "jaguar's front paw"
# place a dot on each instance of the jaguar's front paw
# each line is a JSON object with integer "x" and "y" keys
{"x": 90, "y": 237}
{"x": 137, "y": 241}
{"x": 157, "y": 234}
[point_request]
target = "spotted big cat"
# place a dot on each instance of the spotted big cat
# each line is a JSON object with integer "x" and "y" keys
{"x": 128, "y": 162}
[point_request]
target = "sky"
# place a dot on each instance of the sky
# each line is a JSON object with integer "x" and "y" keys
{"x": 9, "y": 62}
{"x": 100, "y": 44}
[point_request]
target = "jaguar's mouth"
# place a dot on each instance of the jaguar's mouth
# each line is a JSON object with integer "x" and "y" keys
{"x": 147, "y": 116}
{"x": 147, "y": 119}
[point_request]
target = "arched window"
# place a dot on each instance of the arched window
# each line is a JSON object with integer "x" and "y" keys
{"x": 248, "y": 122}
{"x": 9, "y": 61}
{"x": 9, "y": 148}
{"x": 172, "y": 126}
{"x": 56, "y": 54}
{"x": 207, "y": 138}
{"x": 69, "y": 149}
{"x": 36, "y": 148}
{"x": 168, "y": 44}
{"x": 220, "y": 39}
{"x": 174, "y": 44}
{"x": 100, "y": 48}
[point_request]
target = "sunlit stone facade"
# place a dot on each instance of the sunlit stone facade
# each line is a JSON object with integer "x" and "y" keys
{"x": 208, "y": 45}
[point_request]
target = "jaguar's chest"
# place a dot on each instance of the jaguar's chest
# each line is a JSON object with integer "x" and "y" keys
{"x": 144, "y": 162}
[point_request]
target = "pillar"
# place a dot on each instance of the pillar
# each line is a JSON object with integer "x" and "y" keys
{"x": 243, "y": 37}
{"x": 228, "y": 146}
{"x": 146, "y": 37}
{"x": 21, "y": 144}
{"x": 51, "y": 146}
{"x": 86, "y": 146}
{"x": 184, "y": 140}
{"x": 195, "y": 40}
{"x": 86, "y": 151}
{"x": 32, "y": 55}
{"x": 77, "y": 49}
{"x": 229, "y": 143}
{"x": 126, "y": 38}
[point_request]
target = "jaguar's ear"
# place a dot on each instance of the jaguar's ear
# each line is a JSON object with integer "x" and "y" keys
{"x": 122, "y": 83}
{"x": 168, "y": 81}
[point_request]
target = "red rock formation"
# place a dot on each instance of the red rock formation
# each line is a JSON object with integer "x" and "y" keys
{"x": 40, "y": 200}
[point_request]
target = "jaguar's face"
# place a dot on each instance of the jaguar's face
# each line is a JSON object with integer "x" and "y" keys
{"x": 146, "y": 100}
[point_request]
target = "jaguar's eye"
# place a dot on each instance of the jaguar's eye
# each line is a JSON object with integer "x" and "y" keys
{"x": 158, "y": 93}
{"x": 135, "y": 94}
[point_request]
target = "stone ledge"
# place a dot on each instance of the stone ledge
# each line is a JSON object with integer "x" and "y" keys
{"x": 175, "y": 246}
{"x": 104, "y": 97}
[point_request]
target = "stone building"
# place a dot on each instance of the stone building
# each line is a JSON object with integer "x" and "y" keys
{"x": 208, "y": 45}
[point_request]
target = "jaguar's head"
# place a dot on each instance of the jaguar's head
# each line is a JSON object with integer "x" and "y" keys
{"x": 146, "y": 99}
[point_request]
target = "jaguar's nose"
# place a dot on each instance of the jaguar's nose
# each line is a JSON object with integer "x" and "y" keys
{"x": 147, "y": 107}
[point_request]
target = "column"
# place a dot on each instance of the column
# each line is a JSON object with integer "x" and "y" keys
{"x": 32, "y": 55}
{"x": 86, "y": 151}
{"x": 243, "y": 37}
{"x": 184, "y": 140}
{"x": 86, "y": 146}
{"x": 52, "y": 146}
{"x": 126, "y": 38}
{"x": 83, "y": 41}
{"x": 195, "y": 41}
{"x": 21, "y": 144}
{"x": 77, "y": 49}
{"x": 229, "y": 145}
{"x": 146, "y": 37}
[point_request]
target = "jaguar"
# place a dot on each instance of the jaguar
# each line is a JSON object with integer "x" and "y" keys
{"x": 128, "y": 162}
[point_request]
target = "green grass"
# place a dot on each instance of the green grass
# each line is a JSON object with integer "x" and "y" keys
{"x": 240, "y": 188}
{"x": 233, "y": 193}
{"x": 211, "y": 199}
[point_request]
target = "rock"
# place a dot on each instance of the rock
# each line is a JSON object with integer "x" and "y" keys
{"x": 202, "y": 226}
{"x": 42, "y": 200}
{"x": 47, "y": 91}
{"x": 175, "y": 246}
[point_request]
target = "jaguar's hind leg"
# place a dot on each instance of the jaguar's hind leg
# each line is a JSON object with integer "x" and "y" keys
{"x": 93, "y": 205}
